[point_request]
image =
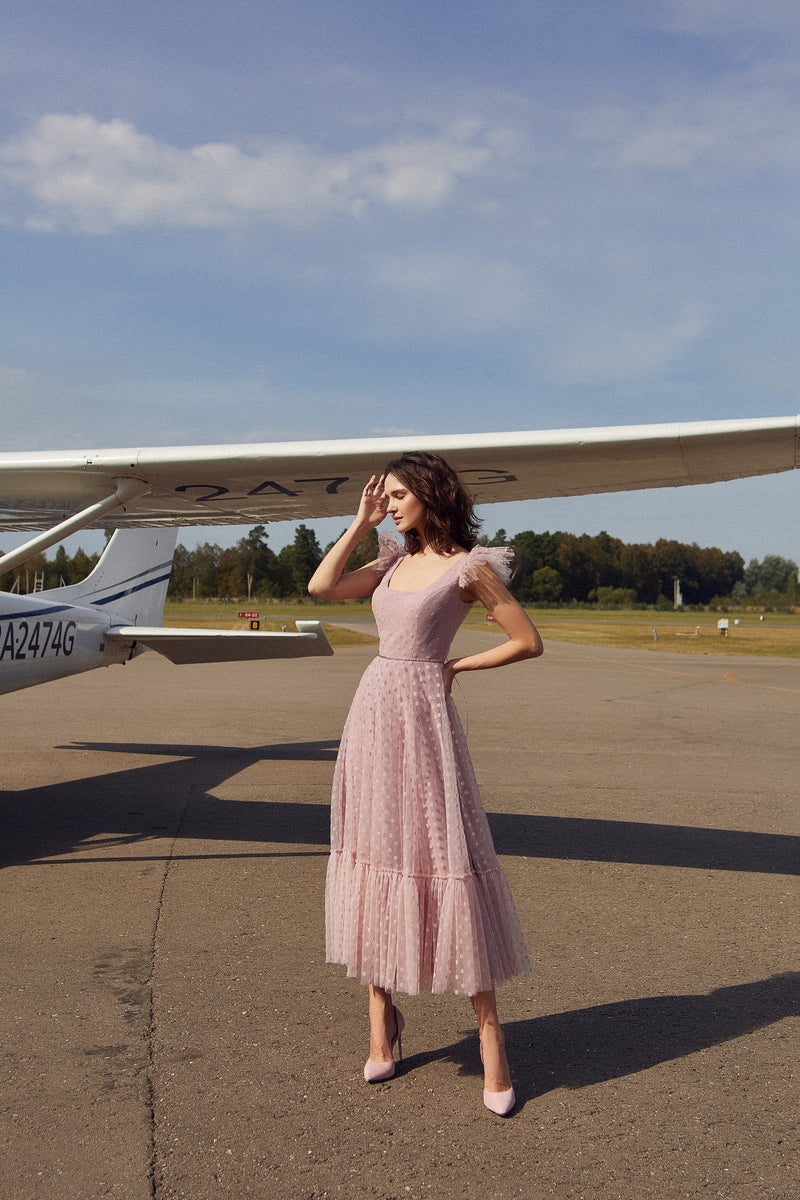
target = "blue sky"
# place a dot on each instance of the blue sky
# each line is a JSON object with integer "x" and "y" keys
{"x": 288, "y": 219}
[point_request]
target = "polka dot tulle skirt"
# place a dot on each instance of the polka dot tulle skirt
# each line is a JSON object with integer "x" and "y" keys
{"x": 415, "y": 897}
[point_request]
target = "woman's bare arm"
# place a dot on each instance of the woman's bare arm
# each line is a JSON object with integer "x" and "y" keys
{"x": 523, "y": 640}
{"x": 330, "y": 581}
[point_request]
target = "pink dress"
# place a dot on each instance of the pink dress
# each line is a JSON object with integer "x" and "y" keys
{"x": 415, "y": 898}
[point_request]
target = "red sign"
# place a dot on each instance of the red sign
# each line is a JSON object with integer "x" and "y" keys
{"x": 249, "y": 614}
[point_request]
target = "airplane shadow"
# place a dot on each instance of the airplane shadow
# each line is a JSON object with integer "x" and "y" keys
{"x": 596, "y": 840}
{"x": 593, "y": 1045}
{"x": 160, "y": 800}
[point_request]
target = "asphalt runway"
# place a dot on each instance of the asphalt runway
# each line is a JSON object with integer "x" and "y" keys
{"x": 169, "y": 1026}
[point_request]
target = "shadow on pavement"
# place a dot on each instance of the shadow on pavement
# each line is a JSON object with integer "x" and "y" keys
{"x": 592, "y": 1045}
{"x": 159, "y": 801}
{"x": 640, "y": 842}
{"x": 162, "y": 800}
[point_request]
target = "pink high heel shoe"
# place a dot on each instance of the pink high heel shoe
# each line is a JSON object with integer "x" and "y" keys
{"x": 375, "y": 1072}
{"x": 500, "y": 1103}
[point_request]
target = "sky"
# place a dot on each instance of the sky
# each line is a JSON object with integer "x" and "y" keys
{"x": 273, "y": 220}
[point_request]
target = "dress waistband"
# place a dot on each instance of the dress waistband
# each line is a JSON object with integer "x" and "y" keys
{"x": 401, "y": 658}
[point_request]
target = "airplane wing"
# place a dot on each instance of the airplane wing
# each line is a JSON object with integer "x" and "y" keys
{"x": 291, "y": 481}
{"x": 184, "y": 646}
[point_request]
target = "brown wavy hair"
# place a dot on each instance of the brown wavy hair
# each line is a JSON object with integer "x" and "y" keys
{"x": 449, "y": 512}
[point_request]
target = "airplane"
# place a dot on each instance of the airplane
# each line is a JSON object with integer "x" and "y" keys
{"x": 146, "y": 493}
{"x": 115, "y": 614}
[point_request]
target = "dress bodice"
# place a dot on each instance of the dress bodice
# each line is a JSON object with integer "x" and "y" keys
{"x": 422, "y": 624}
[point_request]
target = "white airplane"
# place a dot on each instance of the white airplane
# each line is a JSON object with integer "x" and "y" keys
{"x": 146, "y": 493}
{"x": 115, "y": 614}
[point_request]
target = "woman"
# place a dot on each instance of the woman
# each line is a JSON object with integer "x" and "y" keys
{"x": 415, "y": 897}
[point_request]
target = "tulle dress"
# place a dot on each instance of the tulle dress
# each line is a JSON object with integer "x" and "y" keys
{"x": 415, "y": 898}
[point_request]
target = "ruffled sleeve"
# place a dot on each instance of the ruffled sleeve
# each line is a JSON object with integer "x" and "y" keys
{"x": 499, "y": 558}
{"x": 389, "y": 550}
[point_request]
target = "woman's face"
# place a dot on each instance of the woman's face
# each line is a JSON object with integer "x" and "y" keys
{"x": 403, "y": 507}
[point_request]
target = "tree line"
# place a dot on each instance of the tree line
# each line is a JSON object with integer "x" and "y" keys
{"x": 550, "y": 569}
{"x": 558, "y": 568}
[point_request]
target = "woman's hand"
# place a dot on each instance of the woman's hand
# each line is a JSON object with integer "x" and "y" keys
{"x": 372, "y": 508}
{"x": 331, "y": 581}
{"x": 448, "y": 675}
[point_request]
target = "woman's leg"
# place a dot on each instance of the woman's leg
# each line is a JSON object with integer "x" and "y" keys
{"x": 497, "y": 1076}
{"x": 382, "y": 1024}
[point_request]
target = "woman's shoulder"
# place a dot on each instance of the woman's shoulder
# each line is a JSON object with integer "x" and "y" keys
{"x": 498, "y": 558}
{"x": 389, "y": 552}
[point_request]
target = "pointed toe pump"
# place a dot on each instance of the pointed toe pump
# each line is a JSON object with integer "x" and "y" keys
{"x": 375, "y": 1072}
{"x": 500, "y": 1103}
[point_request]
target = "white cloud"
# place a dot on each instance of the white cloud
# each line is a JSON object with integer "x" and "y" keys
{"x": 735, "y": 129}
{"x": 95, "y": 177}
{"x": 746, "y": 121}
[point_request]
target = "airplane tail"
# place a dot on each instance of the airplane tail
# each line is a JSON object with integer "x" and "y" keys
{"x": 131, "y": 578}
{"x": 130, "y": 584}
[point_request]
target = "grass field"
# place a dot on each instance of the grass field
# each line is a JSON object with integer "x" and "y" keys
{"x": 692, "y": 633}
{"x": 683, "y": 633}
{"x": 272, "y": 618}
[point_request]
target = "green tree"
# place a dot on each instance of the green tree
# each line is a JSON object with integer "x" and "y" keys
{"x": 61, "y": 571}
{"x": 259, "y": 564}
{"x": 613, "y": 597}
{"x": 718, "y": 572}
{"x": 639, "y": 571}
{"x": 81, "y": 564}
{"x": 365, "y": 552}
{"x": 301, "y": 559}
{"x": 23, "y": 577}
{"x": 674, "y": 560}
{"x": 773, "y": 574}
{"x": 231, "y": 581}
{"x": 575, "y": 566}
{"x": 181, "y": 578}
{"x": 532, "y": 551}
{"x": 205, "y": 571}
{"x": 546, "y": 586}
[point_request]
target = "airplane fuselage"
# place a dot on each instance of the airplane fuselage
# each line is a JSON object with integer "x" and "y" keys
{"x": 43, "y": 640}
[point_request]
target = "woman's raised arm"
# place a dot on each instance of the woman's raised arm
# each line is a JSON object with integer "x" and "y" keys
{"x": 330, "y": 581}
